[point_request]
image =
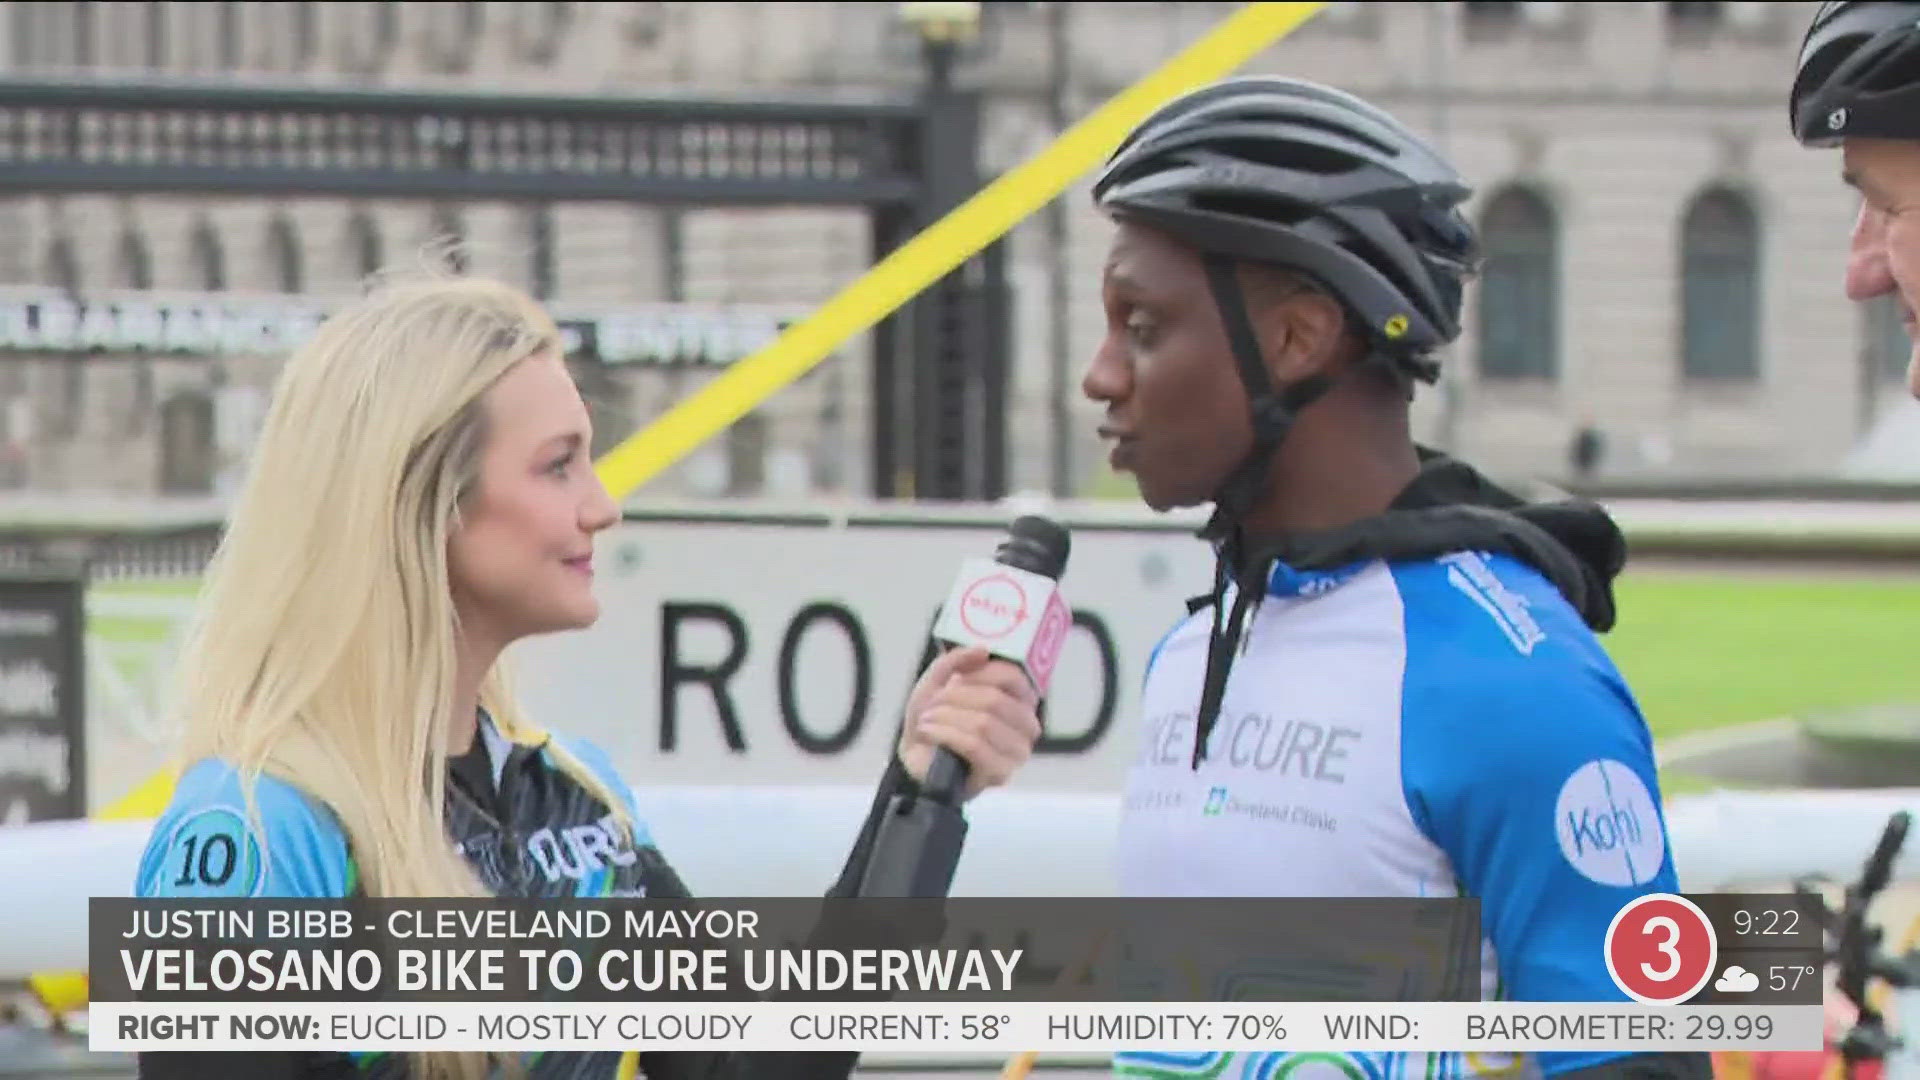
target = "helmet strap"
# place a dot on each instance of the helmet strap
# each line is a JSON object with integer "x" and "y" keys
{"x": 1273, "y": 412}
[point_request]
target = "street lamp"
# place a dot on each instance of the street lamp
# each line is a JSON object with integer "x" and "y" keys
{"x": 943, "y": 20}
{"x": 955, "y": 392}
{"x": 945, "y": 27}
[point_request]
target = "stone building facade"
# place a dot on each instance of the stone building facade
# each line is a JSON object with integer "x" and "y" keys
{"x": 1663, "y": 263}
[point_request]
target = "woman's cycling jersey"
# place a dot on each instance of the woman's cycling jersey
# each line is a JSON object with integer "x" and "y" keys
{"x": 527, "y": 827}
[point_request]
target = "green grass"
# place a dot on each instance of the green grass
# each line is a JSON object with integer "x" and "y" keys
{"x": 173, "y": 586}
{"x": 1706, "y": 650}
{"x": 1709, "y": 649}
{"x": 1111, "y": 484}
{"x": 1677, "y": 784}
{"x": 138, "y": 629}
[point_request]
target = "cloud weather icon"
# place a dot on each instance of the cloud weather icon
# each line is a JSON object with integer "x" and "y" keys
{"x": 1737, "y": 980}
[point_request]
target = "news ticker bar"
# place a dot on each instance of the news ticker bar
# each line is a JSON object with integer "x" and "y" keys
{"x": 1658, "y": 949}
{"x": 615, "y": 952}
{"x": 934, "y": 1027}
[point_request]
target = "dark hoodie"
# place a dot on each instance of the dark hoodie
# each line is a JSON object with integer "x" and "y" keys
{"x": 1450, "y": 506}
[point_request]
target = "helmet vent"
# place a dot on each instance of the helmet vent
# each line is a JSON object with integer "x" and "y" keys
{"x": 1299, "y": 156}
{"x": 1254, "y": 207}
{"x": 1896, "y": 71}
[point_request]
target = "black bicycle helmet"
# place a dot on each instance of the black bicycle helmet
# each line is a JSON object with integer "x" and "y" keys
{"x": 1290, "y": 172}
{"x": 1296, "y": 174}
{"x": 1299, "y": 175}
{"x": 1859, "y": 73}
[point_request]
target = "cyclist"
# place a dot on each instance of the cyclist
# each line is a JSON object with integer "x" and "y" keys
{"x": 1394, "y": 687}
{"x": 1857, "y": 87}
{"x": 421, "y": 496}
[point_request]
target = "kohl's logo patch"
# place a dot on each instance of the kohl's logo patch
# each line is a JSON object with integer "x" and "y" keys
{"x": 1607, "y": 825}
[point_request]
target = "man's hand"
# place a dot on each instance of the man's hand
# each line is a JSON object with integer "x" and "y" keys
{"x": 978, "y": 706}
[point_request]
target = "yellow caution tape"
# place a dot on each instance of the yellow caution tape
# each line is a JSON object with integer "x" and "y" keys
{"x": 941, "y": 247}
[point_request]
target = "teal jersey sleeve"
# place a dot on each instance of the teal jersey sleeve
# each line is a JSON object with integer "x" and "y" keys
{"x": 596, "y": 761}
{"x": 204, "y": 845}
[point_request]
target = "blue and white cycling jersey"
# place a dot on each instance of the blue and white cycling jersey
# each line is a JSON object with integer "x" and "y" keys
{"x": 1427, "y": 726}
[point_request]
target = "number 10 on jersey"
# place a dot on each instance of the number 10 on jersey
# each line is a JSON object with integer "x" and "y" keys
{"x": 1661, "y": 949}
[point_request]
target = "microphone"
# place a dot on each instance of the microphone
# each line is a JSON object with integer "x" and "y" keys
{"x": 1012, "y": 606}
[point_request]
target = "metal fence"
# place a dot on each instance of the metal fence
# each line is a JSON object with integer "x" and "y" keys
{"x": 112, "y": 556}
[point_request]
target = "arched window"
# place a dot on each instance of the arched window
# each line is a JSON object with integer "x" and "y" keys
{"x": 447, "y": 235}
{"x": 136, "y": 262}
{"x": 306, "y": 34}
{"x": 156, "y": 35}
{"x": 69, "y": 404}
{"x": 187, "y": 444}
{"x": 63, "y": 269}
{"x": 541, "y": 272}
{"x": 283, "y": 254}
{"x": 609, "y": 400}
{"x": 364, "y": 253}
{"x": 452, "y": 35}
{"x": 1519, "y": 310}
{"x": 539, "y": 28}
{"x": 230, "y": 37}
{"x": 50, "y": 35}
{"x": 136, "y": 272}
{"x": 367, "y": 34}
{"x": 1720, "y": 288}
{"x": 209, "y": 258}
{"x": 748, "y": 442}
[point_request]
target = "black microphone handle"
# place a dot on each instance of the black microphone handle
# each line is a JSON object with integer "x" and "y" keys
{"x": 946, "y": 776}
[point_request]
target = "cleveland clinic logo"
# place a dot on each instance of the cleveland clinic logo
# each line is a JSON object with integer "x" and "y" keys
{"x": 1216, "y": 802}
{"x": 993, "y": 606}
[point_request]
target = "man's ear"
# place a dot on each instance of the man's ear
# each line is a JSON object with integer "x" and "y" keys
{"x": 1301, "y": 334}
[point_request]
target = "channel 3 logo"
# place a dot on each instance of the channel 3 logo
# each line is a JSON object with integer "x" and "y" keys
{"x": 1661, "y": 949}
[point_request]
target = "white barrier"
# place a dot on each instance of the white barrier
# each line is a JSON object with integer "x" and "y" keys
{"x": 769, "y": 841}
{"x": 1729, "y": 840}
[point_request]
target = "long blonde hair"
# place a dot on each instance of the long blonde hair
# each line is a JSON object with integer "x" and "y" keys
{"x": 324, "y": 647}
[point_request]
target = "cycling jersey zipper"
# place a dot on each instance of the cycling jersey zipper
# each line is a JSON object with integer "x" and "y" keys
{"x": 515, "y": 757}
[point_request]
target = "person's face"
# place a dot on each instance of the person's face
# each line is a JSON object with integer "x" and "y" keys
{"x": 522, "y": 556}
{"x": 1176, "y": 412}
{"x": 1885, "y": 255}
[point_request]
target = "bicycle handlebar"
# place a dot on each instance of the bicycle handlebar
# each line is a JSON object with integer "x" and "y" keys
{"x": 1857, "y": 954}
{"x": 1880, "y": 863}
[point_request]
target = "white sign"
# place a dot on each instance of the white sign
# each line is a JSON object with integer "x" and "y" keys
{"x": 36, "y": 320}
{"x": 54, "y": 323}
{"x": 781, "y": 651}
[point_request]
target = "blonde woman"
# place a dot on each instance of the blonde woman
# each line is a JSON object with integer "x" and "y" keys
{"x": 421, "y": 497}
